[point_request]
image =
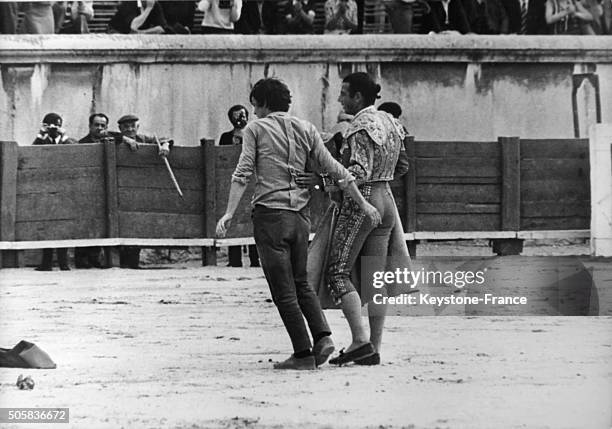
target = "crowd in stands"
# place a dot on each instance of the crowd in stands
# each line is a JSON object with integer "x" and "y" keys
{"x": 575, "y": 17}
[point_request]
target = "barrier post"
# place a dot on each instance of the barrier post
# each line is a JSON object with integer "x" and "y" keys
{"x": 209, "y": 254}
{"x": 511, "y": 196}
{"x": 600, "y": 156}
{"x": 9, "y": 153}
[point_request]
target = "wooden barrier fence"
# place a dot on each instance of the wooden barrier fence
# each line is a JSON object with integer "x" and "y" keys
{"x": 93, "y": 194}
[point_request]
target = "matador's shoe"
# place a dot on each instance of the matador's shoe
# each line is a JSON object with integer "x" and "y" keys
{"x": 364, "y": 351}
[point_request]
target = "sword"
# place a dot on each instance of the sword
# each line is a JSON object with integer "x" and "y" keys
{"x": 170, "y": 172}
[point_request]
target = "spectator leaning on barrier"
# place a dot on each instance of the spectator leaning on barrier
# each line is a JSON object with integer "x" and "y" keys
{"x": 8, "y": 17}
{"x": 606, "y": 18}
{"x": 129, "y": 256}
{"x": 37, "y": 18}
{"x": 220, "y": 15}
{"x": 525, "y": 16}
{"x": 80, "y": 13}
{"x": 446, "y": 16}
{"x": 179, "y": 15}
{"x": 299, "y": 17}
{"x": 143, "y": 17}
{"x": 340, "y": 16}
{"x": 567, "y": 16}
{"x": 403, "y": 163}
{"x": 486, "y": 16}
{"x": 52, "y": 133}
{"x": 238, "y": 116}
{"x": 88, "y": 257}
{"x": 250, "y": 21}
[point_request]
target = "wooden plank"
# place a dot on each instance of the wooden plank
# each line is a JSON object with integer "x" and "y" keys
{"x": 112, "y": 202}
{"x": 147, "y": 156}
{"x": 160, "y": 200}
{"x": 511, "y": 183}
{"x": 422, "y": 180}
{"x": 60, "y": 229}
{"x": 456, "y": 149}
{"x": 226, "y": 157}
{"x": 461, "y": 235}
{"x": 143, "y": 242}
{"x": 555, "y": 148}
{"x": 557, "y": 189}
{"x": 556, "y": 209}
{"x": 82, "y": 202}
{"x": 157, "y": 178}
{"x": 465, "y": 167}
{"x": 410, "y": 187}
{"x": 560, "y": 168}
{"x": 159, "y": 225}
{"x": 550, "y": 223}
{"x": 439, "y": 192}
{"x": 43, "y": 180}
{"x": 85, "y": 185}
{"x": 458, "y": 222}
{"x": 239, "y": 241}
{"x": 209, "y": 195}
{"x": 553, "y": 235}
{"x": 60, "y": 156}
{"x": 456, "y": 208}
{"x": 9, "y": 155}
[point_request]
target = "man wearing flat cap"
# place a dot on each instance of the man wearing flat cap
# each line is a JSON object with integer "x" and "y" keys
{"x": 129, "y": 256}
{"x": 51, "y": 132}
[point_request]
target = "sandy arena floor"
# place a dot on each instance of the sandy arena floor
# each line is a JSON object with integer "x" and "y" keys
{"x": 184, "y": 346}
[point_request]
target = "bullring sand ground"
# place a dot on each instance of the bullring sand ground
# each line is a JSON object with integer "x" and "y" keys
{"x": 184, "y": 346}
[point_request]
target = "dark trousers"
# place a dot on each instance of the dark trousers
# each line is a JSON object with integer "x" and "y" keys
{"x": 85, "y": 257}
{"x": 282, "y": 241}
{"x": 47, "y": 257}
{"x": 234, "y": 255}
{"x": 129, "y": 256}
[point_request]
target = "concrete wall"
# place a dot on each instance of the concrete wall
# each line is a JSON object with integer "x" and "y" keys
{"x": 451, "y": 88}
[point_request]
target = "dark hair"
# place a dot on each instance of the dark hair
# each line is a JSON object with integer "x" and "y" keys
{"x": 361, "y": 82}
{"x": 392, "y": 108}
{"x": 273, "y": 94}
{"x": 52, "y": 118}
{"x": 235, "y": 109}
{"x": 97, "y": 115}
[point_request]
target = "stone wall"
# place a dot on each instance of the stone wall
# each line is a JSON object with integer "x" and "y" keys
{"x": 451, "y": 88}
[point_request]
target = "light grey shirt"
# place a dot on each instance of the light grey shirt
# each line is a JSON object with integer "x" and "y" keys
{"x": 276, "y": 149}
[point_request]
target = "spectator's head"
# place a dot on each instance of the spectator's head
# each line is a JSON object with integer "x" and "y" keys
{"x": 391, "y": 108}
{"x": 358, "y": 91}
{"x": 128, "y": 125}
{"x": 270, "y": 95}
{"x": 238, "y": 116}
{"x": 53, "y": 123}
{"x": 98, "y": 124}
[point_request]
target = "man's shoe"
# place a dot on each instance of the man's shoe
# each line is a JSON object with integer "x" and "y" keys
{"x": 370, "y": 360}
{"x": 304, "y": 363}
{"x": 64, "y": 268}
{"x": 43, "y": 268}
{"x": 322, "y": 349}
{"x": 359, "y": 353}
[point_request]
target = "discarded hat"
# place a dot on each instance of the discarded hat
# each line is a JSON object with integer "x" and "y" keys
{"x": 25, "y": 355}
{"x": 127, "y": 118}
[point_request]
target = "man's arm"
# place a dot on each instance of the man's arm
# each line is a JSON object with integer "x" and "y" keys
{"x": 345, "y": 179}
{"x": 240, "y": 178}
{"x": 235, "y": 195}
